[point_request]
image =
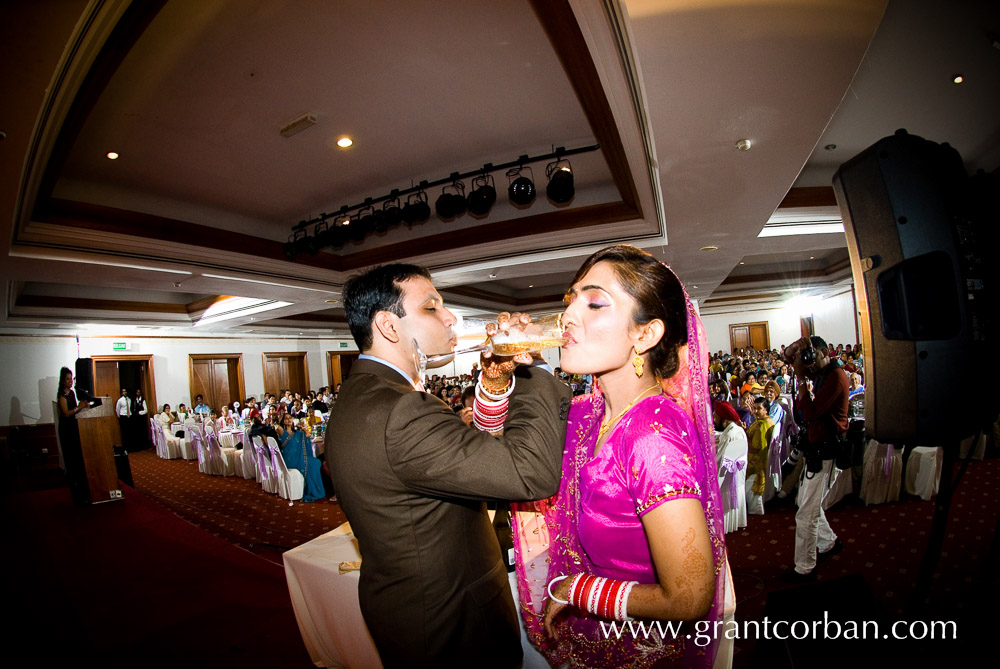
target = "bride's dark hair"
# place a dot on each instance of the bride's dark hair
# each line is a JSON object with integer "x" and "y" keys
{"x": 657, "y": 294}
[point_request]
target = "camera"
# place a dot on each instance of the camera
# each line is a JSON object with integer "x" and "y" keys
{"x": 808, "y": 356}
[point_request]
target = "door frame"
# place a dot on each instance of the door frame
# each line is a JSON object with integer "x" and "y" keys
{"x": 150, "y": 392}
{"x": 241, "y": 395}
{"x": 767, "y": 333}
{"x": 288, "y": 354}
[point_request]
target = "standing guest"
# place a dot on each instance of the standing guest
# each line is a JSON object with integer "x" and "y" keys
{"x": 412, "y": 480}
{"x": 139, "y": 421}
{"x": 296, "y": 451}
{"x": 729, "y": 430}
{"x": 69, "y": 438}
{"x": 827, "y": 423}
{"x": 123, "y": 409}
{"x": 758, "y": 440}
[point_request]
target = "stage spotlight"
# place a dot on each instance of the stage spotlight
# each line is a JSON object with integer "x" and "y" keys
{"x": 483, "y": 195}
{"x": 560, "y": 188}
{"x": 522, "y": 189}
{"x": 393, "y": 213}
{"x": 451, "y": 203}
{"x": 416, "y": 210}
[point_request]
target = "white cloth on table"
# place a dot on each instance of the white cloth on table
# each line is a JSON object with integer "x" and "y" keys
{"x": 882, "y": 473}
{"x": 923, "y": 471}
{"x": 327, "y": 609}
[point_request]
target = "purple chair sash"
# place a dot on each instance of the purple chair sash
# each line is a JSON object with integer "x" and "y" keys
{"x": 732, "y": 466}
{"x": 887, "y": 466}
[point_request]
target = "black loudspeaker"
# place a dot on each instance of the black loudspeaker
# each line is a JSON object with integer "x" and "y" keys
{"x": 84, "y": 378}
{"x": 919, "y": 232}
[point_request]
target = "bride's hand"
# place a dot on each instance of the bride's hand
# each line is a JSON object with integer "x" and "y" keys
{"x": 552, "y": 607}
{"x": 497, "y": 369}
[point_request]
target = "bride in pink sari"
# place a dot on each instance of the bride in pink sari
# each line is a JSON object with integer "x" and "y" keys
{"x": 635, "y": 533}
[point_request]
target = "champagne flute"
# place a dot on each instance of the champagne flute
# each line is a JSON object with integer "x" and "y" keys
{"x": 545, "y": 332}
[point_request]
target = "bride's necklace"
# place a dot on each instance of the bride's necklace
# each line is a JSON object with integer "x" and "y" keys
{"x": 606, "y": 425}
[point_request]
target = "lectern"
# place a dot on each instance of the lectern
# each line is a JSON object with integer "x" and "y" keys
{"x": 99, "y": 434}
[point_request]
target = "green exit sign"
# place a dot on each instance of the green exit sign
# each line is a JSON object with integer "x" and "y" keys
{"x": 343, "y": 344}
{"x": 119, "y": 346}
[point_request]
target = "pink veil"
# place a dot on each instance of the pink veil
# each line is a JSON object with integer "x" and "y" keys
{"x": 547, "y": 545}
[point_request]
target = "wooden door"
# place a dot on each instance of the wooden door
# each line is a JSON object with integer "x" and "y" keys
{"x": 218, "y": 377}
{"x": 759, "y": 336}
{"x": 742, "y": 335}
{"x": 106, "y": 379}
{"x": 285, "y": 371}
{"x": 739, "y": 337}
{"x": 339, "y": 367}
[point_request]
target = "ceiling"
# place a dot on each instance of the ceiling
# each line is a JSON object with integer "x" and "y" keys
{"x": 196, "y": 210}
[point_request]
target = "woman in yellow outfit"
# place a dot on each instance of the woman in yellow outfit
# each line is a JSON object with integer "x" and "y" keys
{"x": 759, "y": 436}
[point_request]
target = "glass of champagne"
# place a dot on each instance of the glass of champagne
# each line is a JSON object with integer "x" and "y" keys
{"x": 542, "y": 333}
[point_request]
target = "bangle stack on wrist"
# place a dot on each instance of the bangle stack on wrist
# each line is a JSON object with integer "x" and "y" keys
{"x": 601, "y": 596}
{"x": 490, "y": 413}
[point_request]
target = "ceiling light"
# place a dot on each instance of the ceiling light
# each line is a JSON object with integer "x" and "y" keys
{"x": 743, "y": 145}
{"x": 483, "y": 195}
{"x": 812, "y": 257}
{"x": 709, "y": 248}
{"x": 531, "y": 285}
{"x": 493, "y": 275}
{"x": 112, "y": 155}
{"x": 333, "y": 301}
{"x": 521, "y": 190}
{"x": 298, "y": 125}
{"x": 345, "y": 142}
{"x": 451, "y": 204}
{"x": 957, "y": 79}
{"x": 694, "y": 286}
{"x": 742, "y": 263}
{"x": 560, "y": 188}
{"x": 830, "y": 147}
{"x": 416, "y": 208}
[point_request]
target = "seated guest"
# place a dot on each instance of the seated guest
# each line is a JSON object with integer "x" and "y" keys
{"x": 166, "y": 417}
{"x": 320, "y": 404}
{"x": 745, "y": 408}
{"x": 225, "y": 421}
{"x": 772, "y": 392}
{"x": 856, "y": 385}
{"x": 296, "y": 409}
{"x": 182, "y": 413}
{"x": 297, "y": 452}
{"x": 259, "y": 428}
{"x": 200, "y": 407}
{"x": 287, "y": 398}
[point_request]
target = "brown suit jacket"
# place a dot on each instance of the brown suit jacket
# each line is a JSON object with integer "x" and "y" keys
{"x": 412, "y": 479}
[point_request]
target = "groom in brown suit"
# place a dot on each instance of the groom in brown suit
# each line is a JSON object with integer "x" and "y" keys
{"x": 412, "y": 479}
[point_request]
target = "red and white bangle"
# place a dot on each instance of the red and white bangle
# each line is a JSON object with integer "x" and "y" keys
{"x": 601, "y": 596}
{"x": 489, "y": 411}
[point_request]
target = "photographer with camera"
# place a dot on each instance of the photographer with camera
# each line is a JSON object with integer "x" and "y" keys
{"x": 825, "y": 413}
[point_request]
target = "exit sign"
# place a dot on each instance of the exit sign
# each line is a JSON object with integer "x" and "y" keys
{"x": 343, "y": 344}
{"x": 120, "y": 346}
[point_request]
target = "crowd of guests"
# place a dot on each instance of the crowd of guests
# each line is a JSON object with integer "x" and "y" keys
{"x": 745, "y": 389}
{"x": 291, "y": 418}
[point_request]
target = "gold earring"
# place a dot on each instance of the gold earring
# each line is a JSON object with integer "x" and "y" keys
{"x": 637, "y": 364}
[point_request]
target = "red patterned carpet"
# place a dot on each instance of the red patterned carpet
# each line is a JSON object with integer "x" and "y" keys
{"x": 235, "y": 509}
{"x": 884, "y": 548}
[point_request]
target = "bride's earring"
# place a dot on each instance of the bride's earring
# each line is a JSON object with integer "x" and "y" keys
{"x": 637, "y": 364}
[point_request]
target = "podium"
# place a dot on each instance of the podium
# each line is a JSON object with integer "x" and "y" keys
{"x": 99, "y": 434}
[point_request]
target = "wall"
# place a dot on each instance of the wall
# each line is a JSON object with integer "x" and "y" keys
{"x": 833, "y": 319}
{"x": 30, "y": 365}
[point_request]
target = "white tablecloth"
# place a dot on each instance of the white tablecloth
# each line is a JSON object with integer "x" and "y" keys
{"x": 230, "y": 438}
{"x": 326, "y": 604}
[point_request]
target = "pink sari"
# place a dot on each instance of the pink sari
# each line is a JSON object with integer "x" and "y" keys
{"x": 667, "y": 444}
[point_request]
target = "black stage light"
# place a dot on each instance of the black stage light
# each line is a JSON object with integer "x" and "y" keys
{"x": 451, "y": 203}
{"x": 560, "y": 174}
{"x": 358, "y": 227}
{"x": 521, "y": 190}
{"x": 416, "y": 210}
{"x": 393, "y": 214}
{"x": 483, "y": 195}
